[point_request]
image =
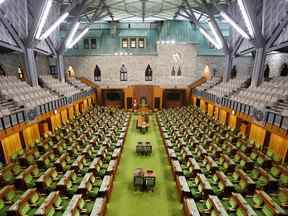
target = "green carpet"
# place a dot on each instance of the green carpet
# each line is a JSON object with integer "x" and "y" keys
{"x": 127, "y": 202}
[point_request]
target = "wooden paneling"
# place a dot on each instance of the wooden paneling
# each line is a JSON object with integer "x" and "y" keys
{"x": 279, "y": 146}
{"x": 216, "y": 113}
{"x": 70, "y": 112}
{"x": 233, "y": 120}
{"x": 55, "y": 121}
{"x": 210, "y": 109}
{"x": 203, "y": 105}
{"x": 64, "y": 116}
{"x": 128, "y": 92}
{"x": 11, "y": 145}
{"x": 43, "y": 128}
{"x": 157, "y": 92}
{"x": 257, "y": 134}
{"x": 223, "y": 116}
{"x": 143, "y": 91}
{"x": 31, "y": 134}
{"x": 76, "y": 108}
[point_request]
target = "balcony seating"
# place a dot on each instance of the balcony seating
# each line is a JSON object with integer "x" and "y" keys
{"x": 24, "y": 94}
{"x": 78, "y": 84}
{"x": 61, "y": 88}
{"x": 209, "y": 84}
{"x": 229, "y": 88}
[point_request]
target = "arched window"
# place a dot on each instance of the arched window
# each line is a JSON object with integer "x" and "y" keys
{"x": 97, "y": 73}
{"x": 179, "y": 72}
{"x": 20, "y": 73}
{"x": 234, "y": 72}
{"x": 2, "y": 71}
{"x": 266, "y": 72}
{"x": 148, "y": 73}
{"x": 123, "y": 73}
{"x": 173, "y": 72}
{"x": 284, "y": 70}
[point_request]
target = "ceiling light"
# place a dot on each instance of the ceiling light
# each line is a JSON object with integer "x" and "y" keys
{"x": 1, "y": 1}
{"x": 44, "y": 16}
{"x": 234, "y": 25}
{"x": 246, "y": 18}
{"x": 209, "y": 38}
{"x": 217, "y": 37}
{"x": 71, "y": 35}
{"x": 54, "y": 26}
{"x": 85, "y": 31}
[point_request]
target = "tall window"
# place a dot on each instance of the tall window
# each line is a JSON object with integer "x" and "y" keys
{"x": 284, "y": 70}
{"x": 148, "y": 73}
{"x": 123, "y": 73}
{"x": 266, "y": 72}
{"x": 133, "y": 43}
{"x": 86, "y": 43}
{"x": 179, "y": 72}
{"x": 173, "y": 72}
{"x": 141, "y": 43}
{"x": 125, "y": 43}
{"x": 93, "y": 43}
{"x": 97, "y": 73}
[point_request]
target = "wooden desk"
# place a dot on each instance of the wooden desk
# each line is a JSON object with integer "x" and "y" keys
{"x": 248, "y": 163}
{"x": 79, "y": 163}
{"x": 62, "y": 184}
{"x": 207, "y": 189}
{"x": 193, "y": 166}
{"x": 190, "y": 207}
{"x": 227, "y": 163}
{"x": 73, "y": 205}
{"x": 251, "y": 185}
{"x": 32, "y": 170}
{"x": 116, "y": 153}
{"x": 14, "y": 209}
{"x": 99, "y": 208}
{"x": 41, "y": 181}
{"x": 172, "y": 155}
{"x": 49, "y": 201}
{"x": 95, "y": 165}
{"x": 217, "y": 206}
{"x": 62, "y": 162}
{"x": 228, "y": 186}
{"x": 211, "y": 165}
{"x": 186, "y": 153}
{"x": 106, "y": 187}
{"x": 111, "y": 170}
{"x": 276, "y": 209}
{"x": 243, "y": 204}
{"x": 182, "y": 187}
{"x": 6, "y": 189}
{"x": 82, "y": 188}
{"x": 102, "y": 152}
{"x": 176, "y": 167}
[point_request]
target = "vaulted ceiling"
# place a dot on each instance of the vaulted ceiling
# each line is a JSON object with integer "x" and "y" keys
{"x": 139, "y": 10}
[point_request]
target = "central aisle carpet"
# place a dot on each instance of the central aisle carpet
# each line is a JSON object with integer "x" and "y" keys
{"x": 164, "y": 200}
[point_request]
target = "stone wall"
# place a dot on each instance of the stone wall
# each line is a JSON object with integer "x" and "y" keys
{"x": 275, "y": 62}
{"x": 11, "y": 62}
{"x": 185, "y": 55}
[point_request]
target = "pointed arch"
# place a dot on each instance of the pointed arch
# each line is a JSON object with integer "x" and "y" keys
{"x": 266, "y": 72}
{"x": 173, "y": 72}
{"x": 97, "y": 73}
{"x": 148, "y": 73}
{"x": 179, "y": 72}
{"x": 284, "y": 70}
